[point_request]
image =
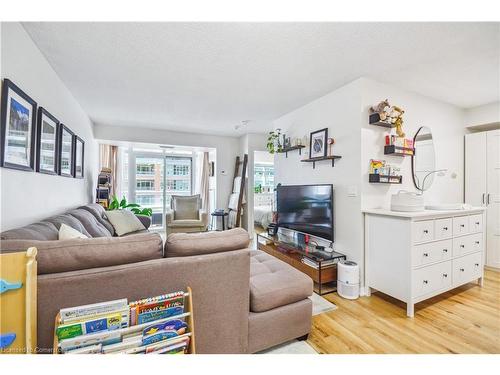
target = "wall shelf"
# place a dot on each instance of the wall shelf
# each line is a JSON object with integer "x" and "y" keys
{"x": 375, "y": 178}
{"x": 398, "y": 151}
{"x": 375, "y": 120}
{"x": 314, "y": 160}
{"x": 292, "y": 148}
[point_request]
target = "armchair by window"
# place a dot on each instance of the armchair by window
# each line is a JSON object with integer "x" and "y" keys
{"x": 186, "y": 215}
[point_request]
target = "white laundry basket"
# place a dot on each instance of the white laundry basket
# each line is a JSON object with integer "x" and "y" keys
{"x": 348, "y": 279}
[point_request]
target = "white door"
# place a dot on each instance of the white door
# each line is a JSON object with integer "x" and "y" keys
{"x": 493, "y": 199}
{"x": 475, "y": 169}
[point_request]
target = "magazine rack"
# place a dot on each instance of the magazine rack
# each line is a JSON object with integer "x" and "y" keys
{"x": 188, "y": 315}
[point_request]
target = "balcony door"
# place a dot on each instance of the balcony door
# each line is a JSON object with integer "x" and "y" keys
{"x": 150, "y": 179}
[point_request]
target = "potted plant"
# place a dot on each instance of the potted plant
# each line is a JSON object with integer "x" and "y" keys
{"x": 134, "y": 207}
{"x": 273, "y": 141}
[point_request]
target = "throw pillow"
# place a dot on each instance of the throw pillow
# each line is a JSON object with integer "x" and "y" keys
{"x": 68, "y": 233}
{"x": 124, "y": 221}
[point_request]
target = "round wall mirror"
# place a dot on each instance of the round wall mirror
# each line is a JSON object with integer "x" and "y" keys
{"x": 423, "y": 161}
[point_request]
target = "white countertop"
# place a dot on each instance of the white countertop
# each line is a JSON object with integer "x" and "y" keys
{"x": 424, "y": 213}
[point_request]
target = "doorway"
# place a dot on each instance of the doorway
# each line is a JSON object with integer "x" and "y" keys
{"x": 263, "y": 190}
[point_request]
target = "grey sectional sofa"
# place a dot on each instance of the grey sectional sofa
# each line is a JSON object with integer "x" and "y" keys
{"x": 244, "y": 300}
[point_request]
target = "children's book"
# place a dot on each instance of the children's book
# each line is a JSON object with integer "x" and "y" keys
{"x": 92, "y": 349}
{"x": 104, "y": 337}
{"x": 111, "y": 322}
{"x": 150, "y": 316}
{"x": 101, "y": 308}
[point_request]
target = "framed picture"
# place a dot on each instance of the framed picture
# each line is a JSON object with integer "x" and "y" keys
{"x": 47, "y": 135}
{"x": 66, "y": 151}
{"x": 18, "y": 126}
{"x": 317, "y": 143}
{"x": 79, "y": 156}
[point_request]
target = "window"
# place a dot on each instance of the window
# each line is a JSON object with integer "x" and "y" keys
{"x": 264, "y": 176}
{"x": 146, "y": 185}
{"x": 145, "y": 169}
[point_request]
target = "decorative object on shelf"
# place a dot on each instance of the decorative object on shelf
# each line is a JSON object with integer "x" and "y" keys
{"x": 79, "y": 156}
{"x": 381, "y": 172}
{"x": 18, "y": 127}
{"x": 382, "y": 109}
{"x": 66, "y": 151}
{"x": 396, "y": 117}
{"x": 398, "y": 146}
{"x": 273, "y": 141}
{"x": 286, "y": 142}
{"x": 47, "y": 155}
{"x": 317, "y": 143}
{"x": 331, "y": 142}
{"x": 134, "y": 207}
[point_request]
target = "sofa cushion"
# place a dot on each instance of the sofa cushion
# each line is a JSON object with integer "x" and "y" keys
{"x": 274, "y": 283}
{"x": 70, "y": 221}
{"x": 186, "y": 223}
{"x": 186, "y": 244}
{"x": 90, "y": 223}
{"x": 79, "y": 254}
{"x": 124, "y": 221}
{"x": 68, "y": 233}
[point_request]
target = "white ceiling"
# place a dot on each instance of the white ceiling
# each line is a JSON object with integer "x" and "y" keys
{"x": 208, "y": 77}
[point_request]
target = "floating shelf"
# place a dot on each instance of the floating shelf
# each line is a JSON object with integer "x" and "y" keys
{"x": 375, "y": 120}
{"x": 292, "y": 148}
{"x": 314, "y": 160}
{"x": 398, "y": 151}
{"x": 383, "y": 179}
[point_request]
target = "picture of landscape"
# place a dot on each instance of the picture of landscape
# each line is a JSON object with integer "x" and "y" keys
{"x": 18, "y": 135}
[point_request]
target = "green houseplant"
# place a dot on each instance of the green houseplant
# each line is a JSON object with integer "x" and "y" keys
{"x": 273, "y": 141}
{"x": 134, "y": 207}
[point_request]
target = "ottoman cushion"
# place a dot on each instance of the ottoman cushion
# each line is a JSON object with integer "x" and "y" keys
{"x": 274, "y": 283}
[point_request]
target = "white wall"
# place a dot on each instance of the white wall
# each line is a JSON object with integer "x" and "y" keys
{"x": 446, "y": 124}
{"x": 482, "y": 115}
{"x": 340, "y": 112}
{"x": 263, "y": 157}
{"x": 28, "y": 196}
{"x": 227, "y": 148}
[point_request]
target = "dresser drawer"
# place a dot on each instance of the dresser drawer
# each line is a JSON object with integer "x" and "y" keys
{"x": 431, "y": 252}
{"x": 476, "y": 242}
{"x": 423, "y": 231}
{"x": 431, "y": 279}
{"x": 460, "y": 225}
{"x": 467, "y": 268}
{"x": 443, "y": 228}
{"x": 467, "y": 244}
{"x": 476, "y": 223}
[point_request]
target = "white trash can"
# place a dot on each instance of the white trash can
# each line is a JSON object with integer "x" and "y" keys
{"x": 348, "y": 279}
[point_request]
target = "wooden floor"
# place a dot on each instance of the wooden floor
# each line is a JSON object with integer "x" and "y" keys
{"x": 465, "y": 320}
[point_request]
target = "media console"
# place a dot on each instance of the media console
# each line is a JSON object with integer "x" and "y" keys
{"x": 320, "y": 265}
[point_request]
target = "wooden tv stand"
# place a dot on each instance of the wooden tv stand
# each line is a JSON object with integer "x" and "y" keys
{"x": 324, "y": 277}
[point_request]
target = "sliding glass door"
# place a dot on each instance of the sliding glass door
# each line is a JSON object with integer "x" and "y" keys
{"x": 151, "y": 177}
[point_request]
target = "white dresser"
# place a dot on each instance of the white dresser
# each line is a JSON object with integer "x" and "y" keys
{"x": 413, "y": 256}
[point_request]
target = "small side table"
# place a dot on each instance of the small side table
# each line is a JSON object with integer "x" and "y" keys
{"x": 222, "y": 215}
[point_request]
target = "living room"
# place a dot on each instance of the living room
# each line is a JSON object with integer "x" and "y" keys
{"x": 250, "y": 187}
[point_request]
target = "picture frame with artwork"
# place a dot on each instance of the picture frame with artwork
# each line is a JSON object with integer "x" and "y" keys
{"x": 79, "y": 157}
{"x": 47, "y": 150}
{"x": 18, "y": 128}
{"x": 66, "y": 151}
{"x": 318, "y": 143}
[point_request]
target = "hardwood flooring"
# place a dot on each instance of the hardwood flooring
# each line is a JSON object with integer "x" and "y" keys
{"x": 464, "y": 320}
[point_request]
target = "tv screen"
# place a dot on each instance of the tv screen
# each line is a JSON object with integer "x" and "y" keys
{"x": 306, "y": 208}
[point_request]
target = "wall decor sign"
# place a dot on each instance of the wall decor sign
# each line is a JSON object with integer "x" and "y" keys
{"x": 18, "y": 126}
{"x": 66, "y": 151}
{"x": 317, "y": 143}
{"x": 79, "y": 156}
{"x": 47, "y": 135}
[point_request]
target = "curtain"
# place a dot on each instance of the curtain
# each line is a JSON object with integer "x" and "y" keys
{"x": 108, "y": 158}
{"x": 205, "y": 182}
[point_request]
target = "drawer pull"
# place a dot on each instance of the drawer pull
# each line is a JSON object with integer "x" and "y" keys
{"x": 476, "y": 264}
{"x": 426, "y": 231}
{"x": 477, "y": 242}
{"x": 462, "y": 225}
{"x": 445, "y": 250}
{"x": 445, "y": 275}
{"x": 426, "y": 254}
{"x": 477, "y": 222}
{"x": 426, "y": 281}
{"x": 445, "y": 228}
{"x": 462, "y": 246}
{"x": 462, "y": 270}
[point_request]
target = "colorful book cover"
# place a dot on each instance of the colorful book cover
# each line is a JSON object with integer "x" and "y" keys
{"x": 177, "y": 325}
{"x": 73, "y": 330}
{"x": 158, "y": 336}
{"x": 160, "y": 305}
{"x": 101, "y": 308}
{"x": 160, "y": 314}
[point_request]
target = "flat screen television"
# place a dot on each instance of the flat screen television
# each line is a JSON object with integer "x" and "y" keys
{"x": 306, "y": 208}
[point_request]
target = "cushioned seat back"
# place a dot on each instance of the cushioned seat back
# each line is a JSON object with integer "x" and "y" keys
{"x": 41, "y": 231}
{"x": 90, "y": 223}
{"x": 186, "y": 207}
{"x": 100, "y": 214}
{"x": 70, "y": 221}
